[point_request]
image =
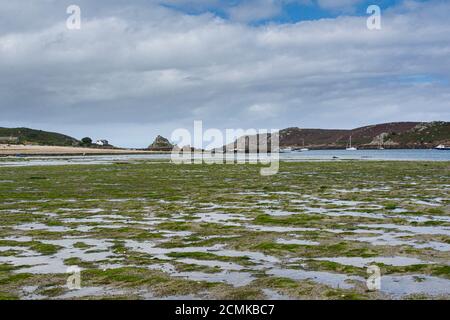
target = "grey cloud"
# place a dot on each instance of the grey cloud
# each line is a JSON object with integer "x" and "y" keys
{"x": 141, "y": 68}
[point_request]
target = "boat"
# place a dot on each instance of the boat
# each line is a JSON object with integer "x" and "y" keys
{"x": 442, "y": 147}
{"x": 350, "y": 148}
{"x": 303, "y": 146}
{"x": 285, "y": 150}
{"x": 302, "y": 149}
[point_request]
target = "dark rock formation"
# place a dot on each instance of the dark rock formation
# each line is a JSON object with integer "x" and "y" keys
{"x": 161, "y": 144}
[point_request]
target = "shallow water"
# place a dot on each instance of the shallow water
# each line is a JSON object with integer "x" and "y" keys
{"x": 277, "y": 228}
{"x": 334, "y": 280}
{"x": 411, "y": 155}
{"x": 33, "y": 262}
{"x": 91, "y": 291}
{"x": 273, "y": 295}
{"x": 227, "y": 266}
{"x": 222, "y": 218}
{"x": 298, "y": 241}
{"x": 400, "y": 286}
{"x": 236, "y": 279}
{"x": 413, "y": 229}
{"x": 364, "y": 262}
{"x": 395, "y": 239}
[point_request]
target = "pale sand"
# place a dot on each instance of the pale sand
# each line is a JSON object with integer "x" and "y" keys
{"x": 51, "y": 150}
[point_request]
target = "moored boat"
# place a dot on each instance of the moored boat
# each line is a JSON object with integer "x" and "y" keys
{"x": 442, "y": 147}
{"x": 350, "y": 148}
{"x": 285, "y": 150}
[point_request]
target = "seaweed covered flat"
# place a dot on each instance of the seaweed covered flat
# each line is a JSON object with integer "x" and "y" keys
{"x": 156, "y": 230}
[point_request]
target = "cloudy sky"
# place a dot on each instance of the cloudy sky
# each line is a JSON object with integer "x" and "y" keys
{"x": 140, "y": 68}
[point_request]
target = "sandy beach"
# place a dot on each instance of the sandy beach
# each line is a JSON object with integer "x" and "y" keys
{"x": 7, "y": 150}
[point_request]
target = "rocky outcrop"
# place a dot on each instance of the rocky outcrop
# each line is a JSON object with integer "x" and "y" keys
{"x": 161, "y": 144}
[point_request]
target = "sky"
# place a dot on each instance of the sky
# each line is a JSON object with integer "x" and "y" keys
{"x": 136, "y": 69}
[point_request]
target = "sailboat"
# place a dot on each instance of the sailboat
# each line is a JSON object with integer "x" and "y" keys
{"x": 303, "y": 148}
{"x": 442, "y": 147}
{"x": 285, "y": 150}
{"x": 350, "y": 148}
{"x": 380, "y": 144}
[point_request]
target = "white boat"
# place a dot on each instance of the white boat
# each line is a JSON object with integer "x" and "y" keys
{"x": 285, "y": 150}
{"x": 302, "y": 149}
{"x": 350, "y": 148}
{"x": 303, "y": 146}
{"x": 442, "y": 147}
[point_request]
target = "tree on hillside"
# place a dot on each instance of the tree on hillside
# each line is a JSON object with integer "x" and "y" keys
{"x": 86, "y": 141}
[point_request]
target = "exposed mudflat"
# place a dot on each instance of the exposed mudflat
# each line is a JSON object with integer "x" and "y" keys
{"x": 155, "y": 230}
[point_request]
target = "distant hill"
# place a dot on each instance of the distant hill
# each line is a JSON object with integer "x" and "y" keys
{"x": 35, "y": 137}
{"x": 394, "y": 135}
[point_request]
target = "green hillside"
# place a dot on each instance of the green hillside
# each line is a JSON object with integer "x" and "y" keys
{"x": 36, "y": 137}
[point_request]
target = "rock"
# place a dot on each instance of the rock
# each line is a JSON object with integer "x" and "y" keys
{"x": 161, "y": 143}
